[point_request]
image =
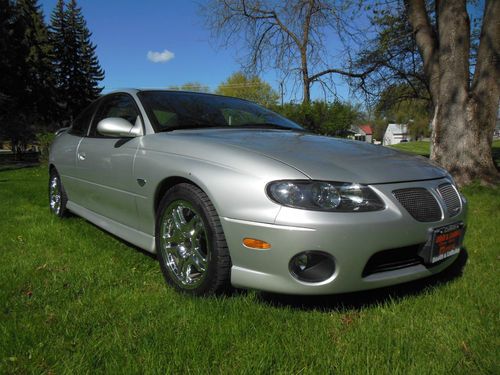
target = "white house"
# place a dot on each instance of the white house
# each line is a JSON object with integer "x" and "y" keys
{"x": 361, "y": 132}
{"x": 396, "y": 133}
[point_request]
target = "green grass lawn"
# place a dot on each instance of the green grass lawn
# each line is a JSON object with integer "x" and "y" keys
{"x": 423, "y": 148}
{"x": 77, "y": 300}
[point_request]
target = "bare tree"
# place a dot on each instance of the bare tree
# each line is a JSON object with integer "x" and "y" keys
{"x": 392, "y": 56}
{"x": 288, "y": 35}
{"x": 465, "y": 109}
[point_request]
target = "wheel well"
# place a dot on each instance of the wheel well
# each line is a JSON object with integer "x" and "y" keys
{"x": 167, "y": 184}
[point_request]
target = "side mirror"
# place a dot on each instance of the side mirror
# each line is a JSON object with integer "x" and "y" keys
{"x": 119, "y": 127}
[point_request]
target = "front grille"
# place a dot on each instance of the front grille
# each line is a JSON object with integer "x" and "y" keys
{"x": 419, "y": 203}
{"x": 451, "y": 198}
{"x": 393, "y": 259}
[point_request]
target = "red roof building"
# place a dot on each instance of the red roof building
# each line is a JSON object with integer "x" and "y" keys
{"x": 366, "y": 128}
{"x": 362, "y": 133}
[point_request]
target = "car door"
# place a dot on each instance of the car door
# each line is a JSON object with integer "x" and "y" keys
{"x": 105, "y": 164}
{"x": 65, "y": 157}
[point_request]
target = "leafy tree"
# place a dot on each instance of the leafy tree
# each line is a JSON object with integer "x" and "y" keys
{"x": 397, "y": 104}
{"x": 379, "y": 127}
{"x": 322, "y": 117}
{"x": 248, "y": 87}
{"x": 191, "y": 86}
{"x": 77, "y": 68}
{"x": 287, "y": 35}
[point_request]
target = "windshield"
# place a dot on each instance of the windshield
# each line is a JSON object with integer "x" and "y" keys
{"x": 170, "y": 110}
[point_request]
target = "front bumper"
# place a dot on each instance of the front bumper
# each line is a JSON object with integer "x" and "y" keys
{"x": 350, "y": 238}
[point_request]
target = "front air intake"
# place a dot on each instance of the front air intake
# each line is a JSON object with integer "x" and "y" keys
{"x": 419, "y": 203}
{"x": 451, "y": 199}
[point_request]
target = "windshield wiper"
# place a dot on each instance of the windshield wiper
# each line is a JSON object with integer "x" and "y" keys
{"x": 268, "y": 125}
{"x": 187, "y": 127}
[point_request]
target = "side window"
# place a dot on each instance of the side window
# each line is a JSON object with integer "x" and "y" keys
{"x": 119, "y": 105}
{"x": 81, "y": 123}
{"x": 166, "y": 119}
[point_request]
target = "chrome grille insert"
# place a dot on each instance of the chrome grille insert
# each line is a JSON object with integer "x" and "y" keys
{"x": 451, "y": 198}
{"x": 419, "y": 203}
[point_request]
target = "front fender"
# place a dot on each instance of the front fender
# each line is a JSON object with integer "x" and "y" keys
{"x": 235, "y": 191}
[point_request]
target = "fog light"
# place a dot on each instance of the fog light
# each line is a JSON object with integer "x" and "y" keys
{"x": 312, "y": 266}
{"x": 301, "y": 262}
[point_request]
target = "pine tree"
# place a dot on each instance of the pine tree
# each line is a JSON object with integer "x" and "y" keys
{"x": 9, "y": 39}
{"x": 91, "y": 68}
{"x": 38, "y": 76}
{"x": 9, "y": 59}
{"x": 26, "y": 89}
{"x": 77, "y": 66}
{"x": 61, "y": 61}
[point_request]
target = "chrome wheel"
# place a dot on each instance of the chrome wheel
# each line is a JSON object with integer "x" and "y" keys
{"x": 55, "y": 196}
{"x": 184, "y": 244}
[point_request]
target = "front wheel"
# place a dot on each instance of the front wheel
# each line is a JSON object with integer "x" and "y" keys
{"x": 57, "y": 195}
{"x": 190, "y": 242}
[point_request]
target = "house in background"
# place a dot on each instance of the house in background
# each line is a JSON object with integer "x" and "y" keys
{"x": 396, "y": 133}
{"x": 361, "y": 133}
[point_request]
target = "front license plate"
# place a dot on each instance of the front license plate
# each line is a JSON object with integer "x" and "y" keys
{"x": 446, "y": 241}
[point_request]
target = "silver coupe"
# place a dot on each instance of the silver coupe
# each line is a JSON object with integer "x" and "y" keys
{"x": 228, "y": 193}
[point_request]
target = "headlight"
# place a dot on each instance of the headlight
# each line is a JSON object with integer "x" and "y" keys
{"x": 325, "y": 196}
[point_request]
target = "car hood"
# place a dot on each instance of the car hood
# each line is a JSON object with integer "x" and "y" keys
{"x": 327, "y": 158}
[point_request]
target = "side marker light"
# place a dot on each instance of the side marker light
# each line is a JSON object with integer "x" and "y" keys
{"x": 253, "y": 243}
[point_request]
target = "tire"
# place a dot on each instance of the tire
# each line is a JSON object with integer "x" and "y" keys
{"x": 190, "y": 242}
{"x": 57, "y": 195}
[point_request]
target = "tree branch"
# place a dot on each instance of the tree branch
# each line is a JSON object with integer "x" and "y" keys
{"x": 343, "y": 72}
{"x": 426, "y": 41}
{"x": 488, "y": 57}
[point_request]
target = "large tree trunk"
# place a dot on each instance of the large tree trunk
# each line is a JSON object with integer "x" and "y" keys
{"x": 452, "y": 140}
{"x": 485, "y": 92}
{"x": 465, "y": 114}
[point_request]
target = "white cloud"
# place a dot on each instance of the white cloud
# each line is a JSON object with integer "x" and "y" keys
{"x": 160, "y": 57}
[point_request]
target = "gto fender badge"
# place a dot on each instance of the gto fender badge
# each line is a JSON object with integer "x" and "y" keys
{"x": 141, "y": 182}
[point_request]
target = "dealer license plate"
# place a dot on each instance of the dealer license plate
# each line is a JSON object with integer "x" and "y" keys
{"x": 446, "y": 241}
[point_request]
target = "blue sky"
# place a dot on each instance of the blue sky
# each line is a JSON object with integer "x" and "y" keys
{"x": 126, "y": 30}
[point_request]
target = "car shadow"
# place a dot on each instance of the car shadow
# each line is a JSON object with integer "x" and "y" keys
{"x": 361, "y": 300}
{"x": 121, "y": 240}
{"x": 336, "y": 302}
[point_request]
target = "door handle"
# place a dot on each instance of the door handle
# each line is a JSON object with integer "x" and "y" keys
{"x": 82, "y": 155}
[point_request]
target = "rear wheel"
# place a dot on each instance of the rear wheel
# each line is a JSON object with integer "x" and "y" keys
{"x": 57, "y": 195}
{"x": 190, "y": 242}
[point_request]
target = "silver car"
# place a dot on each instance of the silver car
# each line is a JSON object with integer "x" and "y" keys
{"x": 228, "y": 193}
